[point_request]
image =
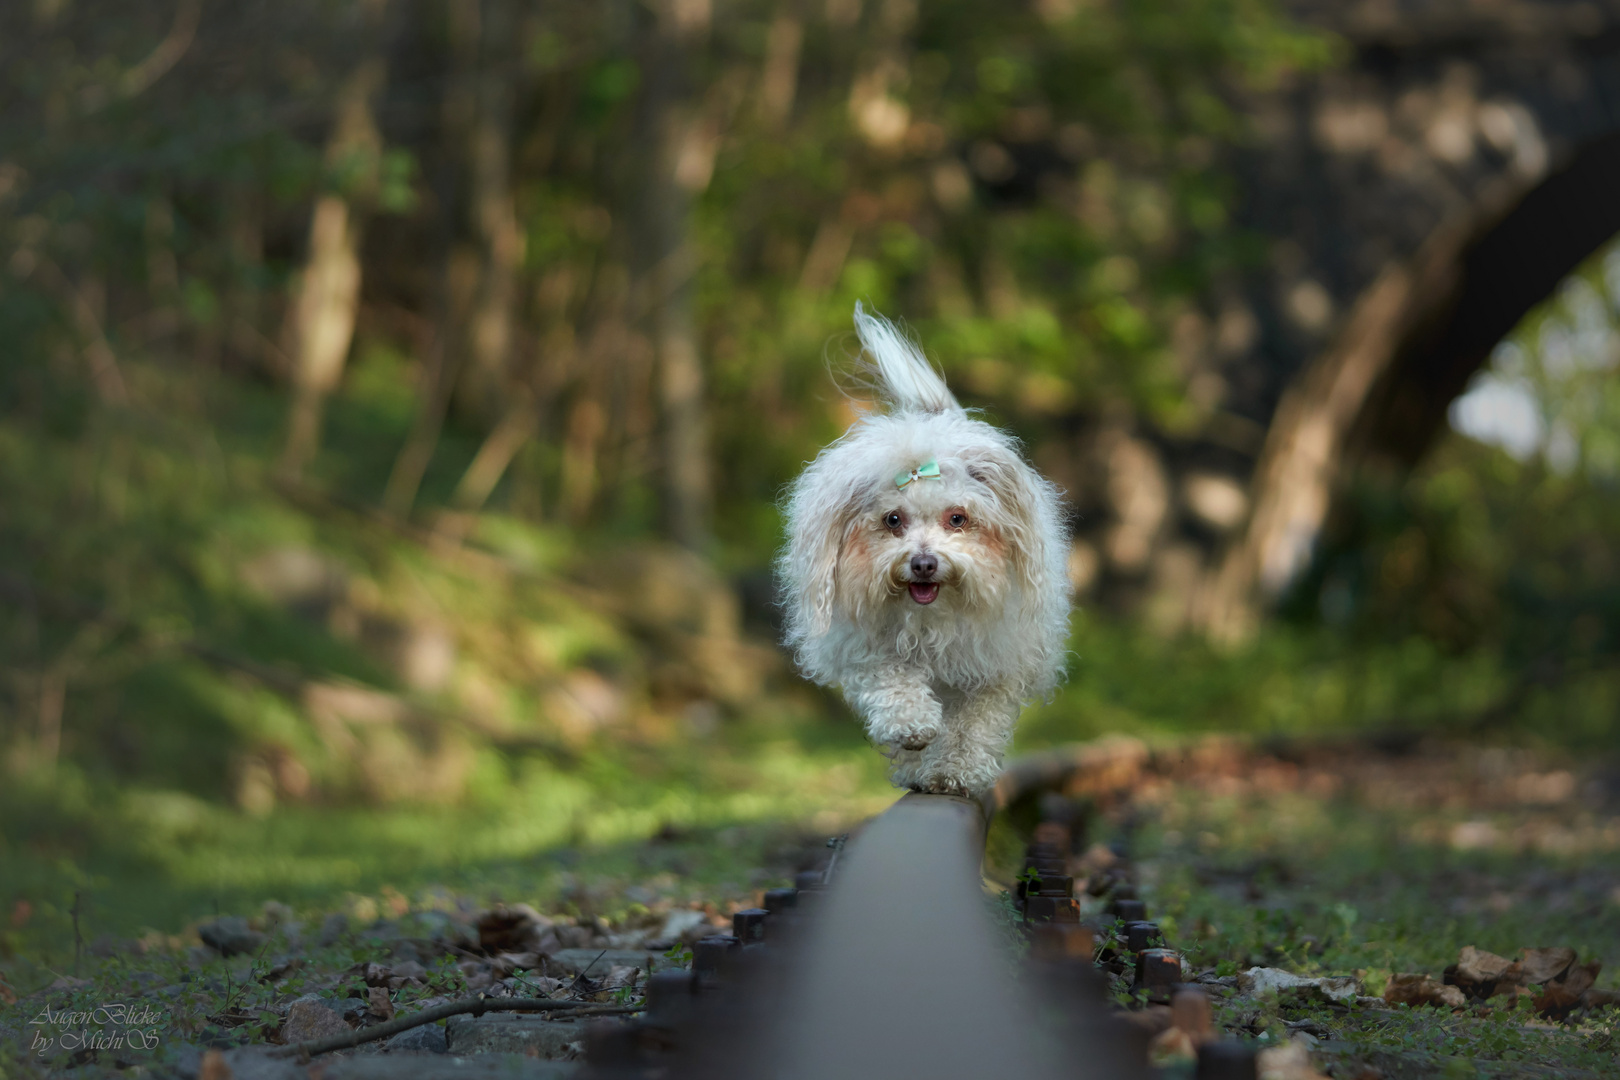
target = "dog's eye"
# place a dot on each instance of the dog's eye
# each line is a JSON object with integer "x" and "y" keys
{"x": 893, "y": 520}
{"x": 957, "y": 520}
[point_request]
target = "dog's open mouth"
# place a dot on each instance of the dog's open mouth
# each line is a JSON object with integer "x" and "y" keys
{"x": 924, "y": 592}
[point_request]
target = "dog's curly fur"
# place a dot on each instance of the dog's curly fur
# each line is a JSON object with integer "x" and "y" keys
{"x": 939, "y": 607}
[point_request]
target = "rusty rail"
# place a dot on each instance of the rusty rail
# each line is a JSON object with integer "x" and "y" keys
{"x": 904, "y": 975}
{"x": 898, "y": 967}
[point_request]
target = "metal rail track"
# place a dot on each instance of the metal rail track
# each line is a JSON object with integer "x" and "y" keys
{"x": 897, "y": 967}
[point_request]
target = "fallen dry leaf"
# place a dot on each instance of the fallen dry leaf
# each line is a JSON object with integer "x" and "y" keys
{"x": 1600, "y": 999}
{"x": 1561, "y": 996}
{"x": 379, "y": 1004}
{"x": 1544, "y": 965}
{"x": 1580, "y": 977}
{"x": 516, "y": 928}
{"x": 1406, "y": 988}
{"x": 1479, "y": 974}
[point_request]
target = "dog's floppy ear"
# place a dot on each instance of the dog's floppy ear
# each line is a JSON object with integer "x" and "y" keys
{"x": 820, "y": 513}
{"x": 1028, "y": 513}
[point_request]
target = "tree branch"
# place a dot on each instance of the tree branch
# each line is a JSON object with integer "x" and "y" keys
{"x": 476, "y": 1006}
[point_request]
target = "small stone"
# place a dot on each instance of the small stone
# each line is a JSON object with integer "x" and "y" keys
{"x": 308, "y": 1019}
{"x": 551, "y": 1039}
{"x": 574, "y": 937}
{"x": 410, "y": 969}
{"x": 333, "y": 927}
{"x": 598, "y": 962}
{"x": 1266, "y": 981}
{"x": 427, "y": 1039}
{"x": 1290, "y": 1061}
{"x": 277, "y": 913}
{"x": 684, "y": 923}
{"x": 506, "y": 963}
{"x": 230, "y": 936}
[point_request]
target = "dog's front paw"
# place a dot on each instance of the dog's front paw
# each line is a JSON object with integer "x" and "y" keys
{"x": 911, "y": 726}
{"x": 949, "y": 770}
{"x": 916, "y": 737}
{"x": 943, "y": 785}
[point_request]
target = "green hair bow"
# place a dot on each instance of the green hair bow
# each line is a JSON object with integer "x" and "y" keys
{"x": 926, "y": 469}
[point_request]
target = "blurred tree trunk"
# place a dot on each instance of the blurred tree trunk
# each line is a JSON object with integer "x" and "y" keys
{"x": 247, "y": 343}
{"x": 680, "y": 146}
{"x": 443, "y": 360}
{"x": 516, "y": 427}
{"x": 481, "y": 282}
{"x": 321, "y": 320}
{"x": 490, "y": 378}
{"x": 779, "y": 81}
{"x": 1303, "y": 460}
{"x": 492, "y": 210}
{"x": 162, "y": 268}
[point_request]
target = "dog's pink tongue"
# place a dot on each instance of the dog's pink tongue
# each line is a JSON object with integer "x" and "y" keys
{"x": 924, "y": 594}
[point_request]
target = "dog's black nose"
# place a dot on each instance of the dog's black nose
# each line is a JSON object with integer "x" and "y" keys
{"x": 924, "y": 566}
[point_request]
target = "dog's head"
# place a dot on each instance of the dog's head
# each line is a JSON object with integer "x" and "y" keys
{"x": 936, "y": 516}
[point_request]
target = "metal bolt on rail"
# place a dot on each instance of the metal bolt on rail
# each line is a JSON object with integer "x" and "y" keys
{"x": 748, "y": 925}
{"x": 1128, "y": 910}
{"x": 1158, "y": 971}
{"x": 670, "y": 995}
{"x": 1059, "y": 940}
{"x": 779, "y": 900}
{"x": 1141, "y": 935}
{"x": 1054, "y": 834}
{"x": 711, "y": 955}
{"x": 1191, "y": 1011}
{"x": 1052, "y": 885}
{"x": 1042, "y": 908}
{"x": 612, "y": 1046}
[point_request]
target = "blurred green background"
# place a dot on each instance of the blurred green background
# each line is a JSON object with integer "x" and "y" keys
{"x": 395, "y": 396}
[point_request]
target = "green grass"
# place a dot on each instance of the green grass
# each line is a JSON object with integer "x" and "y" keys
{"x": 159, "y": 860}
{"x": 1333, "y": 885}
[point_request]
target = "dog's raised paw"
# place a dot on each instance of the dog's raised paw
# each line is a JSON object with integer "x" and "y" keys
{"x": 915, "y": 736}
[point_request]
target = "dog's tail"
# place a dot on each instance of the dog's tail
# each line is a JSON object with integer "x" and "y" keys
{"x": 905, "y": 377}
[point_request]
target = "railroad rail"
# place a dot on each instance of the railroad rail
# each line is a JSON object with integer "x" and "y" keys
{"x": 894, "y": 963}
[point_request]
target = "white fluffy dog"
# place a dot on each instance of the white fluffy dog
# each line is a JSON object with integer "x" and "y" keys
{"x": 926, "y": 574}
